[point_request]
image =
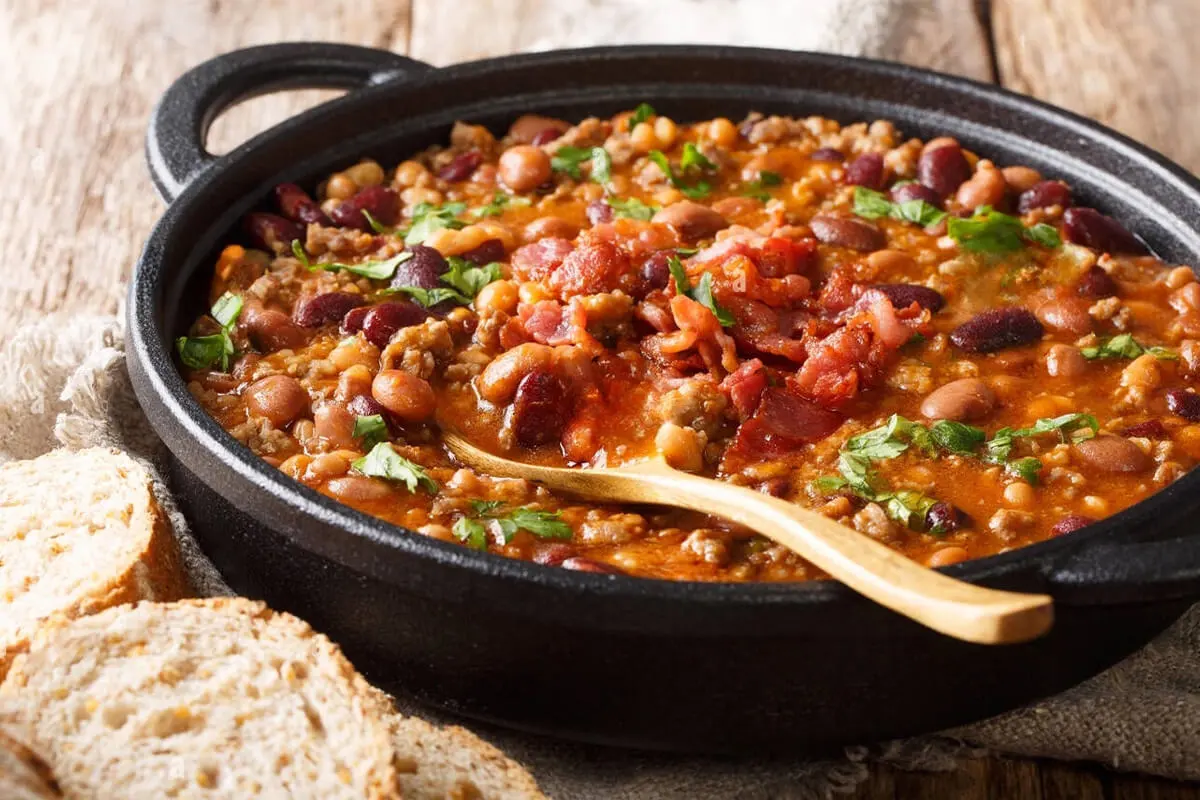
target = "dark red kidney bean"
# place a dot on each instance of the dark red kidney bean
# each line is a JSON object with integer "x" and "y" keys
{"x": 943, "y": 169}
{"x": 581, "y": 564}
{"x": 1071, "y": 522}
{"x": 553, "y": 555}
{"x": 296, "y": 205}
{"x": 364, "y": 405}
{"x": 847, "y": 232}
{"x": 540, "y": 409}
{"x": 903, "y": 295}
{"x": 461, "y": 167}
{"x": 546, "y": 135}
{"x": 321, "y": 309}
{"x": 273, "y": 232}
{"x": 383, "y": 320}
{"x": 1090, "y": 228}
{"x": 422, "y": 270}
{"x": 945, "y": 518}
{"x": 866, "y": 170}
{"x": 491, "y": 250}
{"x": 997, "y": 329}
{"x": 1097, "y": 283}
{"x": 599, "y": 212}
{"x": 353, "y": 321}
{"x": 1043, "y": 195}
{"x": 914, "y": 191}
{"x": 1150, "y": 429}
{"x": 655, "y": 270}
{"x": 380, "y": 202}
{"x": 827, "y": 154}
{"x": 1184, "y": 404}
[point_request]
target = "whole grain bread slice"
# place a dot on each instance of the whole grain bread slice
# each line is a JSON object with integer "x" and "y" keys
{"x": 79, "y": 532}
{"x": 24, "y": 776}
{"x": 216, "y": 698}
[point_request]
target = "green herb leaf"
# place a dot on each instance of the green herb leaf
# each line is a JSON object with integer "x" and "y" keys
{"x": 301, "y": 256}
{"x": 370, "y": 430}
{"x": 642, "y": 113}
{"x": 471, "y": 533}
{"x": 1125, "y": 346}
{"x": 871, "y": 204}
{"x": 1073, "y": 427}
{"x": 568, "y": 159}
{"x": 702, "y": 293}
{"x": 201, "y": 352}
{"x": 918, "y": 212}
{"x": 909, "y": 508}
{"x": 484, "y": 507}
{"x": 756, "y": 188}
{"x": 856, "y": 470}
{"x": 682, "y": 284}
{"x": 1045, "y": 235}
{"x": 468, "y": 279}
{"x": 989, "y": 231}
{"x": 601, "y": 166}
{"x": 1026, "y": 468}
{"x": 375, "y": 224}
{"x": 829, "y": 484}
{"x": 542, "y": 524}
{"x": 428, "y": 297}
{"x": 700, "y": 189}
{"x": 890, "y": 440}
{"x": 956, "y": 436}
{"x": 376, "y": 270}
{"x": 427, "y": 218}
{"x": 693, "y": 159}
{"x": 499, "y": 202}
{"x": 384, "y": 462}
{"x": 632, "y": 208}
{"x": 226, "y": 310}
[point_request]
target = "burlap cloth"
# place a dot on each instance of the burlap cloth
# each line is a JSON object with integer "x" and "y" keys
{"x": 63, "y": 383}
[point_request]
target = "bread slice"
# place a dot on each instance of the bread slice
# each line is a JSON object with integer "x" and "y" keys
{"x": 215, "y": 698}
{"x": 452, "y": 763}
{"x": 79, "y": 532}
{"x": 24, "y": 776}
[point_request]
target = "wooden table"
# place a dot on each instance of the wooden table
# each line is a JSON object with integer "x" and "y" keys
{"x": 80, "y": 79}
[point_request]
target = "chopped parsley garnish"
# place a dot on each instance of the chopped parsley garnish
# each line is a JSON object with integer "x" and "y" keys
{"x": 642, "y": 113}
{"x": 428, "y": 298}
{"x": 692, "y": 159}
{"x": 370, "y": 430}
{"x": 202, "y": 352}
{"x": 499, "y": 202}
{"x": 990, "y": 231}
{"x": 1070, "y": 427}
{"x": 542, "y": 524}
{"x": 956, "y": 437}
{"x": 871, "y": 204}
{"x": 464, "y": 281}
{"x": 385, "y": 462}
{"x": 601, "y": 166}
{"x": 908, "y": 507}
{"x": 471, "y": 533}
{"x": 1027, "y": 469}
{"x": 375, "y": 224}
{"x": 702, "y": 293}
{"x": 632, "y": 208}
{"x": 891, "y": 439}
{"x": 568, "y": 159}
{"x": 427, "y": 218}
{"x": 1125, "y": 346}
{"x": 376, "y": 270}
{"x": 757, "y": 188}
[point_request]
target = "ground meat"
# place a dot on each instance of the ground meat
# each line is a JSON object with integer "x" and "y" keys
{"x": 707, "y": 545}
{"x": 697, "y": 403}
{"x": 874, "y": 522}
{"x": 1008, "y": 523}
{"x": 419, "y": 348}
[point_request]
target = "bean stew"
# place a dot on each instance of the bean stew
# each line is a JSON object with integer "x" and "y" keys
{"x": 947, "y": 354}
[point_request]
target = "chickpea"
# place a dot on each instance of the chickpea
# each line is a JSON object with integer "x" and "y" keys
{"x": 1021, "y": 179}
{"x": 1143, "y": 373}
{"x": 946, "y": 556}
{"x": 1050, "y": 405}
{"x": 722, "y": 132}
{"x": 295, "y": 466}
{"x": 524, "y": 168}
{"x": 1019, "y": 494}
{"x": 497, "y": 296}
{"x": 642, "y": 137}
{"x": 411, "y": 173}
{"x": 533, "y": 292}
{"x": 665, "y": 131}
{"x": 891, "y": 261}
{"x": 498, "y": 382}
{"x": 365, "y": 173}
{"x": 340, "y": 187}
{"x": 408, "y": 397}
{"x": 682, "y": 448}
{"x": 1180, "y": 277}
{"x": 354, "y": 382}
{"x": 1186, "y": 297}
{"x": 278, "y": 398}
{"x": 355, "y": 350}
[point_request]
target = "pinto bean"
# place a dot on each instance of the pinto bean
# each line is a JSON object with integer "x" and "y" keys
{"x": 532, "y": 126}
{"x": 943, "y": 169}
{"x": 690, "y": 220}
{"x": 581, "y": 564}
{"x": 408, "y": 397}
{"x": 847, "y": 232}
{"x": 279, "y": 398}
{"x": 358, "y": 488}
{"x": 947, "y": 556}
{"x": 549, "y": 226}
{"x": 997, "y": 329}
{"x": 272, "y": 330}
{"x": 1021, "y": 179}
{"x": 903, "y": 295}
{"x": 541, "y": 409}
{"x": 985, "y": 188}
{"x": 335, "y": 424}
{"x": 598, "y": 212}
{"x": 498, "y": 382}
{"x": 1065, "y": 361}
{"x": 961, "y": 400}
{"x": 524, "y": 168}
{"x": 1113, "y": 454}
{"x": 1068, "y": 314}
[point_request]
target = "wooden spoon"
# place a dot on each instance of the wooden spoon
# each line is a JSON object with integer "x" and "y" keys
{"x": 962, "y": 610}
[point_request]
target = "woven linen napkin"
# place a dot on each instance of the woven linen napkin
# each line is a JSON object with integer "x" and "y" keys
{"x": 63, "y": 383}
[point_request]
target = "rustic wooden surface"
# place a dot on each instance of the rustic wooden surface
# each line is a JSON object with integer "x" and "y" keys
{"x": 81, "y": 78}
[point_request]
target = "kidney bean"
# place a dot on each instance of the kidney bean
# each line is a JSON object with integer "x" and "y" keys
{"x": 997, "y": 329}
{"x": 528, "y": 128}
{"x": 489, "y": 251}
{"x": 1184, "y": 404}
{"x": 903, "y": 295}
{"x": 866, "y": 170}
{"x": 1150, "y": 429}
{"x": 321, "y": 309}
{"x": 272, "y": 232}
{"x": 422, "y": 270}
{"x": 461, "y": 167}
{"x": 296, "y": 205}
{"x": 553, "y": 555}
{"x": 383, "y": 320}
{"x": 1043, "y": 195}
{"x": 540, "y": 409}
{"x": 655, "y": 271}
{"x": 846, "y": 232}
{"x": 408, "y": 397}
{"x": 364, "y": 405}
{"x": 943, "y": 169}
{"x": 914, "y": 191}
{"x": 1097, "y": 283}
{"x": 545, "y": 136}
{"x": 1090, "y": 228}
{"x": 1113, "y": 454}
{"x": 380, "y": 202}
{"x": 279, "y": 398}
{"x": 961, "y": 400}
{"x": 352, "y": 322}
{"x": 1068, "y": 314}
{"x": 581, "y": 564}
{"x": 1071, "y": 522}
{"x": 692, "y": 221}
{"x": 827, "y": 154}
{"x": 946, "y": 518}
{"x": 598, "y": 212}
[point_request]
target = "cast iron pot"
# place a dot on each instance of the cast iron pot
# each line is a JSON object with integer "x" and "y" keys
{"x": 613, "y": 659}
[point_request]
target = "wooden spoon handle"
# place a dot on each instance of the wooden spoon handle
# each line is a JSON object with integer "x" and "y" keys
{"x": 963, "y": 610}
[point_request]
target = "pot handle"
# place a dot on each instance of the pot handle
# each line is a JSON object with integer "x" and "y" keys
{"x": 179, "y": 123}
{"x": 1109, "y": 572}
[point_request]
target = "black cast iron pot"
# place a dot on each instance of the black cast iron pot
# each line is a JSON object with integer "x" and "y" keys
{"x": 614, "y": 659}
